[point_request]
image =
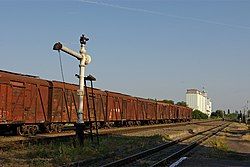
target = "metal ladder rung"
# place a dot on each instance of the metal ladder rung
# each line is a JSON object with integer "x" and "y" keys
{"x": 90, "y": 98}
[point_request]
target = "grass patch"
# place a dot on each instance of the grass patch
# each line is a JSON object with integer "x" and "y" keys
{"x": 166, "y": 137}
{"x": 220, "y": 144}
{"x": 60, "y": 152}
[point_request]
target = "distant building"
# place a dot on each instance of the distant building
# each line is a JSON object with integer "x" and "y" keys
{"x": 198, "y": 100}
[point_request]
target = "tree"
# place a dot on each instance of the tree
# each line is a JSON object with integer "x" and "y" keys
{"x": 220, "y": 113}
{"x": 228, "y": 111}
{"x": 217, "y": 114}
{"x": 232, "y": 116}
{"x": 182, "y": 103}
{"x": 168, "y": 101}
{"x": 214, "y": 115}
{"x": 197, "y": 114}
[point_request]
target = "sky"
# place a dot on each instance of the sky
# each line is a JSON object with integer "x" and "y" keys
{"x": 146, "y": 48}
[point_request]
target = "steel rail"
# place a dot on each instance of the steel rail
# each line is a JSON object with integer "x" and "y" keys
{"x": 147, "y": 127}
{"x": 112, "y": 131}
{"x": 186, "y": 149}
{"x": 117, "y": 130}
{"x": 156, "y": 149}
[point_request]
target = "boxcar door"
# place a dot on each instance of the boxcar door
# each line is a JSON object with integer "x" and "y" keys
{"x": 57, "y": 105}
{"x": 103, "y": 109}
{"x": 4, "y": 103}
{"x": 117, "y": 109}
{"x": 30, "y": 103}
{"x": 143, "y": 109}
{"x": 17, "y": 101}
{"x": 124, "y": 109}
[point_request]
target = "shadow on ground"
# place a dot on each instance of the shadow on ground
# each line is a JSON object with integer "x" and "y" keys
{"x": 114, "y": 147}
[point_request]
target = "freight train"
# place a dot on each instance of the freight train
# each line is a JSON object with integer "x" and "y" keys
{"x": 29, "y": 104}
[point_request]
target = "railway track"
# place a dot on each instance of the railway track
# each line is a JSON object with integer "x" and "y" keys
{"x": 162, "y": 155}
{"x": 151, "y": 127}
{"x": 71, "y": 134}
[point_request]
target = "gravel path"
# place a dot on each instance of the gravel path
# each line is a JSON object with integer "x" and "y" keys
{"x": 229, "y": 148}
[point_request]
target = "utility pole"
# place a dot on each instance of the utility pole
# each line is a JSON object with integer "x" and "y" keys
{"x": 85, "y": 59}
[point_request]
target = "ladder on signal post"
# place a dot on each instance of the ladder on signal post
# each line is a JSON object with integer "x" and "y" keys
{"x": 91, "y": 109}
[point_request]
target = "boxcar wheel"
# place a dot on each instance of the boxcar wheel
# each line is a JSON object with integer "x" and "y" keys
{"x": 59, "y": 128}
{"x": 33, "y": 130}
{"x": 20, "y": 130}
{"x": 48, "y": 129}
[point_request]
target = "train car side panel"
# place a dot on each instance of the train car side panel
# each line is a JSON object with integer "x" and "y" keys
{"x": 65, "y": 103}
{"x": 100, "y": 100}
{"x": 42, "y": 104}
{"x": 20, "y": 95}
{"x": 114, "y": 107}
{"x": 141, "y": 110}
{"x": 5, "y": 103}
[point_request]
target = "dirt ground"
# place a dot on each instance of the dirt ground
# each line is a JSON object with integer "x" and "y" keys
{"x": 228, "y": 148}
{"x": 111, "y": 147}
{"x": 173, "y": 133}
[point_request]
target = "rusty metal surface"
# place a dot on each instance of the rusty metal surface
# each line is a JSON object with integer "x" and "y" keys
{"x": 115, "y": 110}
{"x": 28, "y": 99}
{"x": 23, "y": 98}
{"x": 162, "y": 111}
{"x": 147, "y": 109}
{"x": 64, "y": 102}
{"x": 100, "y": 98}
{"x": 130, "y": 104}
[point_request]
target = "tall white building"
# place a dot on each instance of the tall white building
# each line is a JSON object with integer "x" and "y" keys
{"x": 198, "y": 100}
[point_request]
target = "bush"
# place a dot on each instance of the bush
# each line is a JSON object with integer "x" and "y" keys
{"x": 221, "y": 114}
{"x": 214, "y": 115}
{"x": 197, "y": 114}
{"x": 232, "y": 116}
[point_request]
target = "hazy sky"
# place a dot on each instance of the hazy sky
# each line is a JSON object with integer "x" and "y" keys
{"x": 147, "y": 48}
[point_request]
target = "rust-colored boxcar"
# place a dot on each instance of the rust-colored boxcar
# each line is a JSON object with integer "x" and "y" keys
{"x": 180, "y": 113}
{"x": 121, "y": 109}
{"x": 173, "y": 112}
{"x": 147, "y": 110}
{"x": 129, "y": 107}
{"x": 162, "y": 112}
{"x": 184, "y": 113}
{"x": 116, "y": 109}
{"x": 24, "y": 99}
{"x": 30, "y": 103}
{"x": 188, "y": 113}
{"x": 64, "y": 102}
{"x": 100, "y": 100}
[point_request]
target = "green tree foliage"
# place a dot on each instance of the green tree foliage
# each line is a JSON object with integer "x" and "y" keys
{"x": 197, "y": 114}
{"x": 214, "y": 115}
{"x": 217, "y": 114}
{"x": 221, "y": 113}
{"x": 232, "y": 116}
{"x": 182, "y": 103}
{"x": 168, "y": 101}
